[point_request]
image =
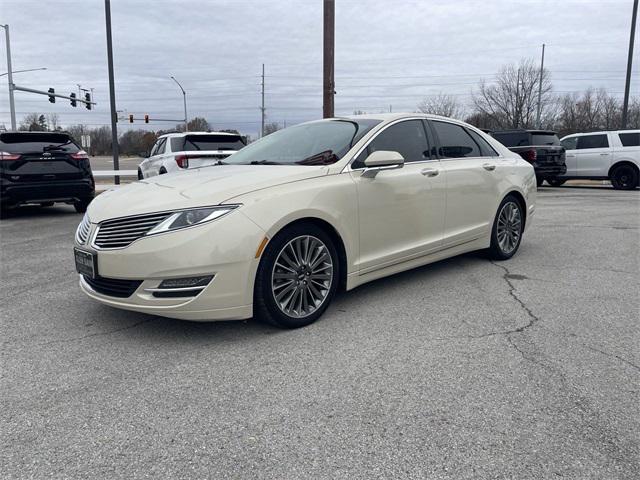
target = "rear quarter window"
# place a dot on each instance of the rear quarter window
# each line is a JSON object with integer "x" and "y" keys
{"x": 631, "y": 139}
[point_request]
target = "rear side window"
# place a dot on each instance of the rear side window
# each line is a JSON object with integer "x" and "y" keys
{"x": 176, "y": 144}
{"x": 37, "y": 143}
{"x": 544, "y": 139}
{"x": 592, "y": 141}
{"x": 455, "y": 142}
{"x": 631, "y": 139}
{"x": 570, "y": 143}
{"x": 212, "y": 142}
{"x": 485, "y": 149}
{"x": 512, "y": 139}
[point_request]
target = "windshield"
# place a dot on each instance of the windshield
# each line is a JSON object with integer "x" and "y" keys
{"x": 211, "y": 142}
{"x": 317, "y": 143}
{"x": 36, "y": 143}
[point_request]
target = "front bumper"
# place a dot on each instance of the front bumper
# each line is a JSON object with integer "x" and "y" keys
{"x": 224, "y": 248}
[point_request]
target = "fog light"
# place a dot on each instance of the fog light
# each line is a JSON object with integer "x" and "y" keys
{"x": 188, "y": 282}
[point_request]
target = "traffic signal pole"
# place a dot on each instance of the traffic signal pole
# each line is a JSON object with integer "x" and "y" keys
{"x": 52, "y": 94}
{"x": 112, "y": 92}
{"x": 12, "y": 105}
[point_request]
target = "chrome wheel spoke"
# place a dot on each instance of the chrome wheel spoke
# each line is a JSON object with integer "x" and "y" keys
{"x": 302, "y": 276}
{"x": 509, "y": 226}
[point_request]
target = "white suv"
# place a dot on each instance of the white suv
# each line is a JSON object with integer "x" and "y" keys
{"x": 177, "y": 151}
{"x": 611, "y": 156}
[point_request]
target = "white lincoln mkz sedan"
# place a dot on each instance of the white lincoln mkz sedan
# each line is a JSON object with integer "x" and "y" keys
{"x": 276, "y": 229}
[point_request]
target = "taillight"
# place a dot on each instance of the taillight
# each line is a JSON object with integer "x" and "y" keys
{"x": 529, "y": 155}
{"x": 182, "y": 161}
{"x": 9, "y": 156}
{"x": 81, "y": 155}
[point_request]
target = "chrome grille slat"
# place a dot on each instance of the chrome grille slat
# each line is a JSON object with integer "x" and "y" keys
{"x": 122, "y": 232}
{"x": 82, "y": 233}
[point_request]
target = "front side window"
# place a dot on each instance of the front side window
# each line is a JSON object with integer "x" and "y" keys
{"x": 317, "y": 143}
{"x": 455, "y": 142}
{"x": 161, "y": 144}
{"x": 592, "y": 141}
{"x": 631, "y": 139}
{"x": 569, "y": 143}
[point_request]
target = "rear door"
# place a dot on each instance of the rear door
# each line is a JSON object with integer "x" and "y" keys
{"x": 472, "y": 170}
{"x": 593, "y": 155}
{"x": 42, "y": 157}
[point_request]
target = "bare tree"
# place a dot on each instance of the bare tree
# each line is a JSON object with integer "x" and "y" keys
{"x": 53, "y": 122}
{"x": 196, "y": 124}
{"x": 270, "y": 128}
{"x": 511, "y": 100}
{"x": 442, "y": 104}
{"x": 33, "y": 122}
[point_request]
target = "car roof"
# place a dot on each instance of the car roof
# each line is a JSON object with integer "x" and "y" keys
{"x": 184, "y": 134}
{"x": 599, "y": 132}
{"x": 523, "y": 130}
{"x": 386, "y": 117}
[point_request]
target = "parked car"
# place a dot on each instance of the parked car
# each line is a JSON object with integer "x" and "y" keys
{"x": 43, "y": 168}
{"x": 541, "y": 148}
{"x": 611, "y": 156}
{"x": 178, "y": 151}
{"x": 300, "y": 213}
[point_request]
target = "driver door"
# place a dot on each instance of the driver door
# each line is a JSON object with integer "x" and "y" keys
{"x": 401, "y": 211}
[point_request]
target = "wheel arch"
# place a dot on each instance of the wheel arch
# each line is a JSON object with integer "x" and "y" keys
{"x": 330, "y": 230}
{"x": 621, "y": 163}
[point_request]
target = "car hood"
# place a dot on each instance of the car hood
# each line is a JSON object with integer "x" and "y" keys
{"x": 194, "y": 188}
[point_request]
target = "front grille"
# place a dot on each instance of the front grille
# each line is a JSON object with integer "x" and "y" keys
{"x": 83, "y": 230}
{"x": 121, "y": 232}
{"x": 113, "y": 287}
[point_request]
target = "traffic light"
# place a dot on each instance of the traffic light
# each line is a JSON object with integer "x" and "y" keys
{"x": 52, "y": 99}
{"x": 146, "y": 118}
{"x": 72, "y": 97}
{"x": 131, "y": 118}
{"x": 87, "y": 97}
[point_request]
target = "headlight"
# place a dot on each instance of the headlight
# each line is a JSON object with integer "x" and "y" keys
{"x": 189, "y": 218}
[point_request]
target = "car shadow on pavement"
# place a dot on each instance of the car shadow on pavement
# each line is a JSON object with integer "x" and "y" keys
{"x": 35, "y": 211}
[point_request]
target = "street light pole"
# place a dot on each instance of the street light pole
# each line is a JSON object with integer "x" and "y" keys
{"x": 627, "y": 84}
{"x": 22, "y": 71}
{"x": 12, "y": 105}
{"x": 184, "y": 99}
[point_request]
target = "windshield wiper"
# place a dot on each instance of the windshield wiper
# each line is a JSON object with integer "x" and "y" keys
{"x": 55, "y": 147}
{"x": 264, "y": 162}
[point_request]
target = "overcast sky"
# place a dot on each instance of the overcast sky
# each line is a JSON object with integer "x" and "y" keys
{"x": 389, "y": 53}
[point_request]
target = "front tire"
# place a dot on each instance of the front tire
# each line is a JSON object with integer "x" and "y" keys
{"x": 624, "y": 177}
{"x": 507, "y": 230}
{"x": 297, "y": 278}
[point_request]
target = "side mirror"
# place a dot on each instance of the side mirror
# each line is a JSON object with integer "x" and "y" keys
{"x": 384, "y": 159}
{"x": 144, "y": 154}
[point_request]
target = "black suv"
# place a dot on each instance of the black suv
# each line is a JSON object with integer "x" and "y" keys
{"x": 44, "y": 167}
{"x": 541, "y": 148}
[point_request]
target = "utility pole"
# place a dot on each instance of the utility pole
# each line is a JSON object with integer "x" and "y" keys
{"x": 262, "y": 107}
{"x": 328, "y": 86}
{"x": 112, "y": 92}
{"x": 12, "y": 105}
{"x": 627, "y": 84}
{"x": 540, "y": 90}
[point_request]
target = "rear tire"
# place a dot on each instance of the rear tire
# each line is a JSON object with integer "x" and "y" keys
{"x": 140, "y": 176}
{"x": 556, "y": 182}
{"x": 624, "y": 177}
{"x": 82, "y": 205}
{"x": 506, "y": 234}
{"x": 162, "y": 171}
{"x": 540, "y": 181}
{"x": 297, "y": 277}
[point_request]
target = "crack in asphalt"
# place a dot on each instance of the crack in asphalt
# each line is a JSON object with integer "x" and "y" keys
{"x": 611, "y": 355}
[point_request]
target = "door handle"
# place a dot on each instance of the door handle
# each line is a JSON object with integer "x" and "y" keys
{"x": 604, "y": 154}
{"x": 430, "y": 172}
{"x": 489, "y": 166}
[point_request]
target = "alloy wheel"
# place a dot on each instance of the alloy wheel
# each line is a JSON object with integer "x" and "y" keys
{"x": 302, "y": 276}
{"x": 509, "y": 227}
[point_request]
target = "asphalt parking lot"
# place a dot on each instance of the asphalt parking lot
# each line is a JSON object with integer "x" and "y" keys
{"x": 526, "y": 369}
